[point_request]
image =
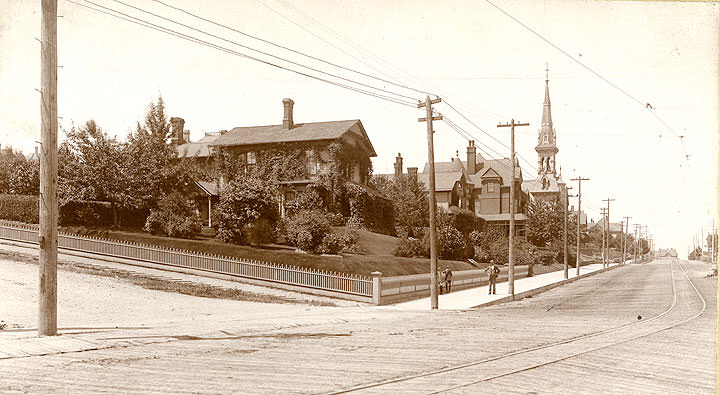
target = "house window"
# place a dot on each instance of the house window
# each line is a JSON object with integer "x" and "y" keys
{"x": 491, "y": 187}
{"x": 312, "y": 163}
{"x": 251, "y": 160}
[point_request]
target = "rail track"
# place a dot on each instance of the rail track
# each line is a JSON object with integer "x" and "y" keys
{"x": 465, "y": 375}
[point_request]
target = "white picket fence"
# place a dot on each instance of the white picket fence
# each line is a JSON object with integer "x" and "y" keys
{"x": 342, "y": 283}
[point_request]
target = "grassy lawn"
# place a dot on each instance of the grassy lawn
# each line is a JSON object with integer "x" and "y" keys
{"x": 378, "y": 257}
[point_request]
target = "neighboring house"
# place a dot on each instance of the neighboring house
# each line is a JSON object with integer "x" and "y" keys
{"x": 616, "y": 228}
{"x": 477, "y": 184}
{"x": 309, "y": 151}
{"x": 483, "y": 185}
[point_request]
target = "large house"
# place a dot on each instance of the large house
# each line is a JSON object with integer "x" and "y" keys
{"x": 298, "y": 153}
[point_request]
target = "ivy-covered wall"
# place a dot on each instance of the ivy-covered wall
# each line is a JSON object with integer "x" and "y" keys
{"x": 339, "y": 172}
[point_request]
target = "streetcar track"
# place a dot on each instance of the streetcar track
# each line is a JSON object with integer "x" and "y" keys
{"x": 596, "y": 348}
{"x": 544, "y": 346}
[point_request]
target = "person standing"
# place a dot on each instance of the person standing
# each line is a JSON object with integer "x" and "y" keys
{"x": 447, "y": 273}
{"x": 492, "y": 272}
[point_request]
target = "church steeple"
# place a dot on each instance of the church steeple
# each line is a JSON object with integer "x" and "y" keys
{"x": 546, "y": 147}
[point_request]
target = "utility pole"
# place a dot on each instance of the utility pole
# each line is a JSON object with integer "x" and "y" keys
{"x": 608, "y": 200}
{"x": 627, "y": 228}
{"x": 511, "y": 255}
{"x": 47, "y": 297}
{"x": 565, "y": 232}
{"x": 433, "y": 206}
{"x": 603, "y": 211}
{"x": 637, "y": 241}
{"x": 577, "y": 261}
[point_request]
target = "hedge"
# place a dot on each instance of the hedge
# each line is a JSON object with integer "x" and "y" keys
{"x": 21, "y": 208}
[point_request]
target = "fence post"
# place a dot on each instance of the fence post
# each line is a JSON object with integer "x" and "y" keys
{"x": 377, "y": 288}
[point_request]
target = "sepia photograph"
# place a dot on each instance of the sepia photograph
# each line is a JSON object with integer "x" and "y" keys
{"x": 359, "y": 196}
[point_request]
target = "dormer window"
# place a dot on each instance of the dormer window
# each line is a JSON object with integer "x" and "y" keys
{"x": 491, "y": 187}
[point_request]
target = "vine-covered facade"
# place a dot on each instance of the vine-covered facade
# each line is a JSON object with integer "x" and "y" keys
{"x": 331, "y": 157}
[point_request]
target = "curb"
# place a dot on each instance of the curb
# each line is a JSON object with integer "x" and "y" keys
{"x": 543, "y": 288}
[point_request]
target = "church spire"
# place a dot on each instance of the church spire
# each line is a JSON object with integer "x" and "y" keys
{"x": 546, "y": 147}
{"x": 547, "y": 116}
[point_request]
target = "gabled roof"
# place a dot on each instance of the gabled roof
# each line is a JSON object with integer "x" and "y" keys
{"x": 198, "y": 148}
{"x": 210, "y": 188}
{"x": 440, "y": 167}
{"x": 490, "y": 173}
{"x": 309, "y": 131}
{"x": 444, "y": 181}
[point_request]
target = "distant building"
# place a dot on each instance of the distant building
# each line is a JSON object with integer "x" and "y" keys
{"x": 548, "y": 185}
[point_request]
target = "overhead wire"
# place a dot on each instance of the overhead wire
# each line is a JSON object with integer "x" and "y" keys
{"x": 646, "y": 105}
{"x": 262, "y": 52}
{"x": 150, "y": 25}
{"x": 289, "y": 49}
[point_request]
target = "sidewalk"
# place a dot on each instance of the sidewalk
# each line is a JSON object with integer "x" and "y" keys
{"x": 478, "y": 297}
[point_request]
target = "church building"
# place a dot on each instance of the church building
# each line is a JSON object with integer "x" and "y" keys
{"x": 548, "y": 185}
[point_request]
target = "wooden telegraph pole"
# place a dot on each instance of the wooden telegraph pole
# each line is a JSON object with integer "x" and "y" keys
{"x": 577, "y": 261}
{"x": 565, "y": 232}
{"x": 433, "y": 206}
{"x": 511, "y": 247}
{"x": 608, "y": 200}
{"x": 637, "y": 241}
{"x": 47, "y": 298}
{"x": 603, "y": 211}
{"x": 627, "y": 229}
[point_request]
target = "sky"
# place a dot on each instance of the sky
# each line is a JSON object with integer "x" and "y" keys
{"x": 477, "y": 58}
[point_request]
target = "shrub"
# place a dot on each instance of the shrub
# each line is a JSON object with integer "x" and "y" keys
{"x": 85, "y": 213}
{"x": 453, "y": 245}
{"x": 331, "y": 244}
{"x": 243, "y": 202}
{"x": 410, "y": 248}
{"x": 307, "y": 229}
{"x": 21, "y": 208}
{"x": 174, "y": 217}
{"x": 309, "y": 199}
{"x": 260, "y": 232}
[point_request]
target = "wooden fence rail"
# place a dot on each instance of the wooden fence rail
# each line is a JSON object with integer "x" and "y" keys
{"x": 245, "y": 268}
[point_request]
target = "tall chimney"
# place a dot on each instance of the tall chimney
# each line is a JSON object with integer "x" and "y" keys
{"x": 398, "y": 165}
{"x": 177, "y": 124}
{"x": 412, "y": 173}
{"x": 186, "y": 136}
{"x": 288, "y": 114}
{"x": 471, "y": 154}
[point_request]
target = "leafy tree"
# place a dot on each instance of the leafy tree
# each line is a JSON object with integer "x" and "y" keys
{"x": 409, "y": 199}
{"x": 151, "y": 167}
{"x": 174, "y": 217}
{"x": 19, "y": 175}
{"x": 91, "y": 167}
{"x": 243, "y": 203}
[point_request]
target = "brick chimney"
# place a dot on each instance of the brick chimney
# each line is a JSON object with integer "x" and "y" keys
{"x": 412, "y": 173}
{"x": 398, "y": 165}
{"x": 177, "y": 124}
{"x": 186, "y": 136}
{"x": 288, "y": 114}
{"x": 471, "y": 155}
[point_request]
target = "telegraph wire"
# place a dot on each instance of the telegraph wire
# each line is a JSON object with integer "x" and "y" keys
{"x": 142, "y": 22}
{"x": 646, "y": 106}
{"x": 485, "y": 132}
{"x": 261, "y": 52}
{"x": 291, "y": 50}
{"x": 367, "y": 54}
